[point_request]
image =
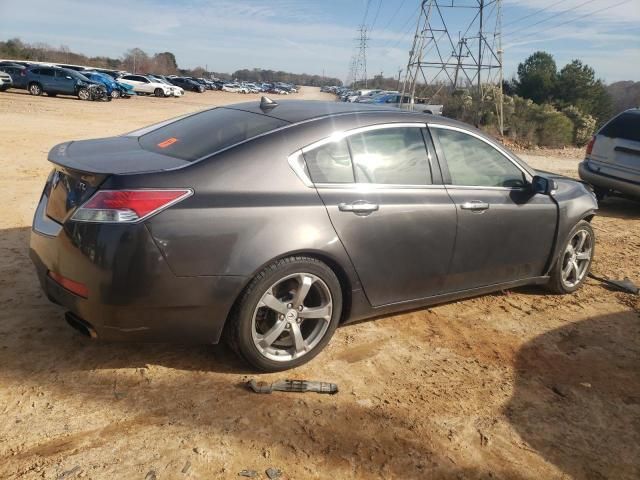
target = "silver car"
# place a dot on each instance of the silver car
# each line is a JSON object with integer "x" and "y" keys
{"x": 612, "y": 163}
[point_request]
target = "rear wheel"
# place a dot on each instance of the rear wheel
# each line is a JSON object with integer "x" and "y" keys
{"x": 287, "y": 314}
{"x": 158, "y": 92}
{"x": 572, "y": 266}
{"x": 35, "y": 89}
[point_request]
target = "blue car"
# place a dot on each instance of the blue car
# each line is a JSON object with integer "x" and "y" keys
{"x": 114, "y": 89}
{"x": 55, "y": 80}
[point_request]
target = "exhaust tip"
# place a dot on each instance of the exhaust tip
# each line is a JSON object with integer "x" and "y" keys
{"x": 80, "y": 325}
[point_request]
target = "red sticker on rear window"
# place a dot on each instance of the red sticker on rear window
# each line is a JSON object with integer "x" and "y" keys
{"x": 167, "y": 142}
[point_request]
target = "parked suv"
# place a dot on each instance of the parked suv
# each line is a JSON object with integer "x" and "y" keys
{"x": 5, "y": 81}
{"x": 187, "y": 84}
{"x": 55, "y": 80}
{"x": 18, "y": 74}
{"x": 612, "y": 162}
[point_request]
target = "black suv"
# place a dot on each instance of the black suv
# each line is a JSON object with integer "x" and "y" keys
{"x": 187, "y": 84}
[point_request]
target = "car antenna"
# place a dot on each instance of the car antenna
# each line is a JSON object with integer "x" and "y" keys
{"x": 267, "y": 104}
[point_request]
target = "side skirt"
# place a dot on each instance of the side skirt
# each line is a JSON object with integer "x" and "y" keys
{"x": 361, "y": 308}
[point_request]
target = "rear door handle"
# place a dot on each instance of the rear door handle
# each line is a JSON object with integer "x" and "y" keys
{"x": 358, "y": 207}
{"x": 475, "y": 205}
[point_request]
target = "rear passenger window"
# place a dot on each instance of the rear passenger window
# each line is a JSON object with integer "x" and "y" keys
{"x": 330, "y": 163}
{"x": 391, "y": 156}
{"x": 625, "y": 125}
{"x": 46, "y": 71}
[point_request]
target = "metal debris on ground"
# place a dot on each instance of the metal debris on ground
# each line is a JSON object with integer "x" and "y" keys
{"x": 298, "y": 386}
{"x": 69, "y": 473}
{"x": 625, "y": 285}
{"x": 248, "y": 473}
{"x": 273, "y": 473}
{"x": 186, "y": 467}
{"x": 151, "y": 475}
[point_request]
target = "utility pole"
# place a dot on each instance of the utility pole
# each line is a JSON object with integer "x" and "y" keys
{"x": 436, "y": 61}
{"x": 399, "y": 74}
{"x": 362, "y": 55}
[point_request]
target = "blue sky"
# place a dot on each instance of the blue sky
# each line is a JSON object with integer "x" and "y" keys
{"x": 316, "y": 36}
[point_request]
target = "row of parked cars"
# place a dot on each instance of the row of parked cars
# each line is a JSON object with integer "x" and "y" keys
{"x": 389, "y": 98}
{"x": 102, "y": 84}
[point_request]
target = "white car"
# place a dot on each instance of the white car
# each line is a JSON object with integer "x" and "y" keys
{"x": 143, "y": 84}
{"x": 5, "y": 81}
{"x": 612, "y": 162}
{"x": 234, "y": 88}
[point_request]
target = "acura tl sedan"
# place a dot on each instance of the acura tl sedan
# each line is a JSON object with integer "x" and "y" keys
{"x": 271, "y": 224}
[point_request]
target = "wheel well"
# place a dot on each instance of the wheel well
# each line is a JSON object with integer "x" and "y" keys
{"x": 343, "y": 278}
{"x": 589, "y": 217}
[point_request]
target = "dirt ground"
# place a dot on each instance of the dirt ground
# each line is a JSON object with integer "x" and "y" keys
{"x": 516, "y": 385}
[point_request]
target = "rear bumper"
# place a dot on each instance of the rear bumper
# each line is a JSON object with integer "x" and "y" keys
{"x": 606, "y": 181}
{"x": 133, "y": 295}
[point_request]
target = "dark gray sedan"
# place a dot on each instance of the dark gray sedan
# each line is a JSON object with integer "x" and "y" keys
{"x": 272, "y": 224}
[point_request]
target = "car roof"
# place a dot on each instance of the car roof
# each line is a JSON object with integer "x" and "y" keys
{"x": 297, "y": 111}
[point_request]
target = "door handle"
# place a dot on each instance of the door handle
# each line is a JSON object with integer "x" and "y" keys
{"x": 358, "y": 207}
{"x": 475, "y": 205}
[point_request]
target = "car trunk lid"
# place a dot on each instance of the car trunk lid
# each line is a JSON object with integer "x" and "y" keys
{"x": 82, "y": 166}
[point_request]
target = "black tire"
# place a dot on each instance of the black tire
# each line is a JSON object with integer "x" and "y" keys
{"x": 239, "y": 329}
{"x": 115, "y": 93}
{"x": 556, "y": 283}
{"x": 158, "y": 93}
{"x": 35, "y": 89}
{"x": 4, "y": 88}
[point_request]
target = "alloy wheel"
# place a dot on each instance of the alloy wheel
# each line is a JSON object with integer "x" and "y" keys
{"x": 83, "y": 94}
{"x": 292, "y": 317}
{"x": 35, "y": 89}
{"x": 577, "y": 258}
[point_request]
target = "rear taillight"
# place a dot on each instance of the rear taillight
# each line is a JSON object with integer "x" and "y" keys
{"x": 127, "y": 206}
{"x": 77, "y": 288}
{"x": 590, "y": 145}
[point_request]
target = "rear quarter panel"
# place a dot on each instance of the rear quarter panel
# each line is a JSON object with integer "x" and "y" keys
{"x": 248, "y": 208}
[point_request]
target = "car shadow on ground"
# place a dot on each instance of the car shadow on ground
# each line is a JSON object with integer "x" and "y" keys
{"x": 576, "y": 399}
{"x": 618, "y": 207}
{"x": 19, "y": 91}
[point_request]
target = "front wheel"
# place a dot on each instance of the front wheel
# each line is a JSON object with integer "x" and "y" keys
{"x": 35, "y": 89}
{"x": 572, "y": 266}
{"x": 158, "y": 92}
{"x": 115, "y": 93}
{"x": 287, "y": 314}
{"x": 83, "y": 94}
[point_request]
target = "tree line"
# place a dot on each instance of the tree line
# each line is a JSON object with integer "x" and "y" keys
{"x": 136, "y": 60}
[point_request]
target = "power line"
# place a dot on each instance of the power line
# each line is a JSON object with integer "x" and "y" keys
{"x": 554, "y": 16}
{"x": 534, "y": 13}
{"x": 395, "y": 14}
{"x": 376, "y": 16}
{"x": 608, "y": 7}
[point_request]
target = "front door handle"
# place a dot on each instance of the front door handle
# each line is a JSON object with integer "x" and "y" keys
{"x": 475, "y": 205}
{"x": 358, "y": 207}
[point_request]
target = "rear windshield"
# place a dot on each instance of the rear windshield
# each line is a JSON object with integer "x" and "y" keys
{"x": 206, "y": 133}
{"x": 626, "y": 125}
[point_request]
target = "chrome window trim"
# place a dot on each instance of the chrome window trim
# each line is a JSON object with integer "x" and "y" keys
{"x": 339, "y": 135}
{"x": 298, "y": 164}
{"x": 502, "y": 151}
{"x": 378, "y": 186}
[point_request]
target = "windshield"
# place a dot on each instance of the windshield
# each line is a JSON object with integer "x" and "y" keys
{"x": 76, "y": 75}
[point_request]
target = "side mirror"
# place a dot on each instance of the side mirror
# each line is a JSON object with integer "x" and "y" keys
{"x": 543, "y": 185}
